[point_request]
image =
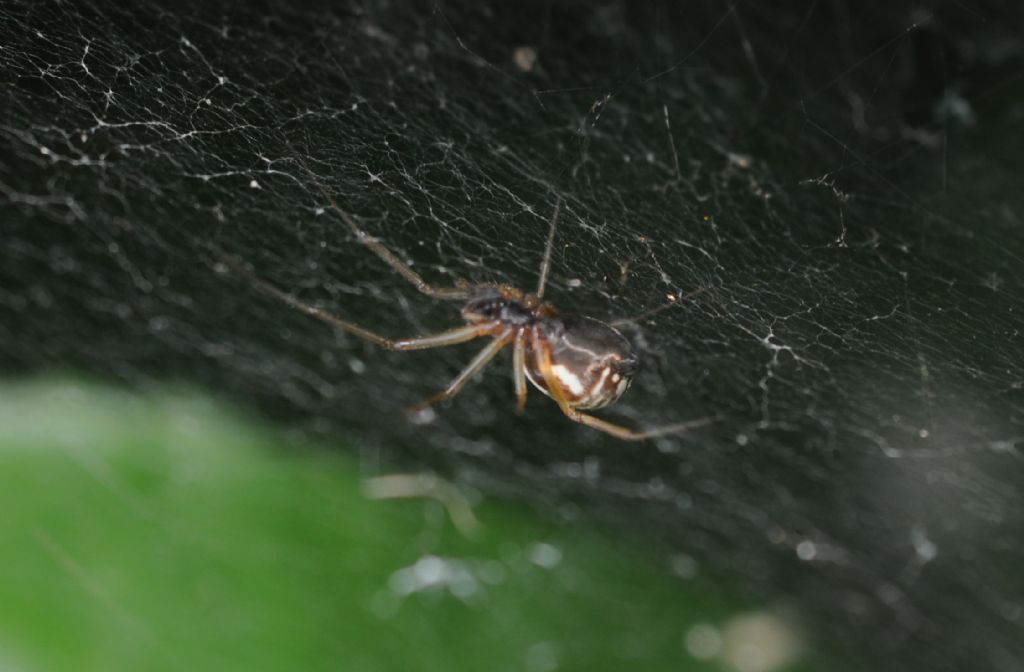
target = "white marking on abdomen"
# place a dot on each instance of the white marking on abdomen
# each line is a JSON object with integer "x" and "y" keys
{"x": 568, "y": 379}
{"x": 595, "y": 391}
{"x": 623, "y": 384}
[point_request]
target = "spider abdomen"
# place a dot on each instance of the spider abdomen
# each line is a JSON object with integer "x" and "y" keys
{"x": 592, "y": 362}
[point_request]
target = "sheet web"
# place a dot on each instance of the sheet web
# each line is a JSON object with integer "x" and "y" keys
{"x": 856, "y": 337}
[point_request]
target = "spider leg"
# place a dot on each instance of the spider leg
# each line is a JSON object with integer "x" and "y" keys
{"x": 475, "y": 366}
{"x": 618, "y": 431}
{"x": 628, "y": 434}
{"x": 389, "y": 257}
{"x": 392, "y": 260}
{"x": 451, "y": 337}
{"x": 519, "y": 371}
{"x": 545, "y": 265}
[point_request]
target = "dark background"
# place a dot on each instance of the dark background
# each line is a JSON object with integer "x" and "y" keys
{"x": 844, "y": 183}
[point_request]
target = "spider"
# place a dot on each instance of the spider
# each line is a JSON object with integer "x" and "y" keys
{"x": 579, "y": 362}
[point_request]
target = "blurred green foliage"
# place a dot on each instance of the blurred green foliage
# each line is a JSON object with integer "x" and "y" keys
{"x": 161, "y": 532}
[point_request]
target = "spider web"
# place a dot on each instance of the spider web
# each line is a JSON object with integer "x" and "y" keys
{"x": 842, "y": 187}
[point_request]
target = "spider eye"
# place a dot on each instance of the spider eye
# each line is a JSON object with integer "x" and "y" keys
{"x": 489, "y": 304}
{"x": 481, "y": 310}
{"x": 486, "y": 304}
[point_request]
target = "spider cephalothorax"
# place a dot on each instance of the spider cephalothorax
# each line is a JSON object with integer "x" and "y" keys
{"x": 507, "y": 305}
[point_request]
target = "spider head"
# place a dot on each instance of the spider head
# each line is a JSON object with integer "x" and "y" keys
{"x": 504, "y": 305}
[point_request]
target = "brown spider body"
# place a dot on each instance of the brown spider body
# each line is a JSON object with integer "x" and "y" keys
{"x": 580, "y": 362}
{"x": 590, "y": 362}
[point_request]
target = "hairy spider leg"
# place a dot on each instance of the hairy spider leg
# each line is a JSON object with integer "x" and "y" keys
{"x": 519, "y": 370}
{"x": 392, "y": 260}
{"x": 545, "y": 265}
{"x": 445, "y": 338}
{"x": 481, "y": 360}
{"x": 541, "y": 347}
